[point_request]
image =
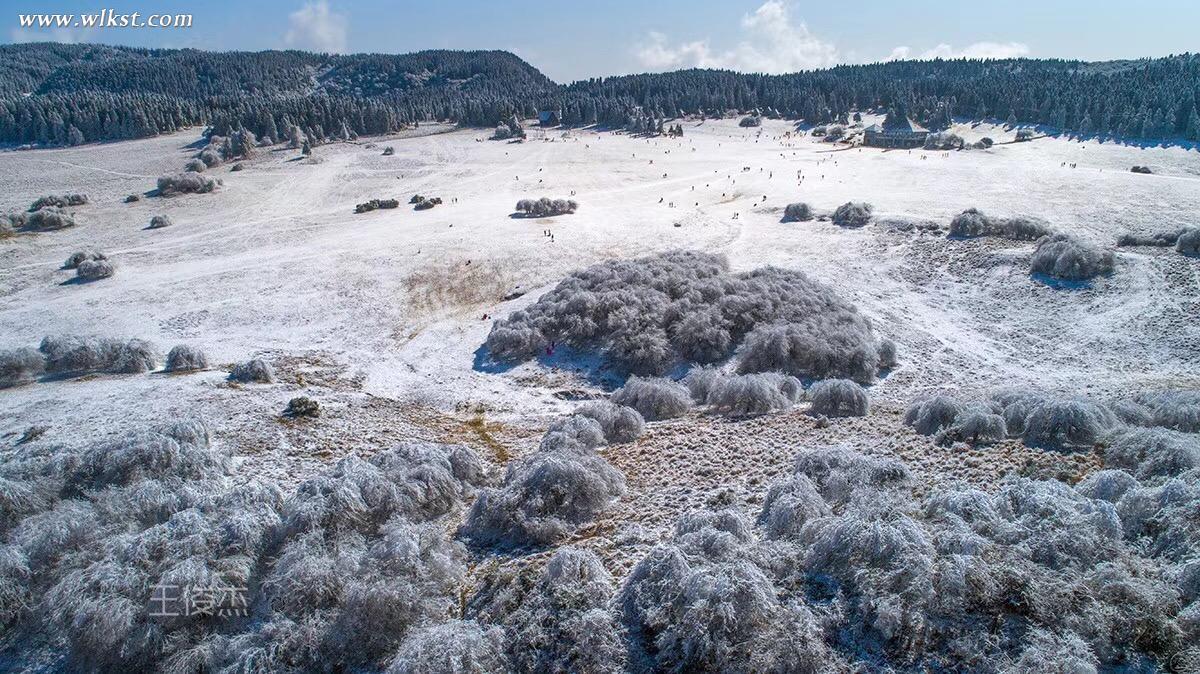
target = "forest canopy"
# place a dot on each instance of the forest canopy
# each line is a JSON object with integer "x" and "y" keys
{"x": 64, "y": 94}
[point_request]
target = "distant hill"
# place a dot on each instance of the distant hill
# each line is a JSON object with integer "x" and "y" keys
{"x": 65, "y": 94}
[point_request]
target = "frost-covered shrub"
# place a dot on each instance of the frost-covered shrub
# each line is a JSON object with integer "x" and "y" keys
{"x": 1189, "y": 242}
{"x": 48, "y": 219}
{"x": 302, "y": 406}
{"x": 82, "y": 256}
{"x": 452, "y": 647}
{"x": 852, "y": 214}
{"x": 546, "y": 207}
{"x": 700, "y": 381}
{"x": 905, "y": 585}
{"x": 944, "y": 140}
{"x": 1023, "y": 228}
{"x": 977, "y": 427}
{"x": 133, "y": 198}
{"x": 160, "y": 221}
{"x": 649, "y": 314}
{"x": 70, "y": 354}
{"x": 888, "y": 358}
{"x": 209, "y": 156}
{"x": 253, "y": 370}
{"x": 817, "y": 349}
{"x": 750, "y": 121}
{"x": 1179, "y": 410}
{"x": 1063, "y": 424}
{"x": 358, "y": 563}
{"x": 707, "y": 602}
{"x": 740, "y": 395}
{"x": 185, "y": 358}
{"x": 58, "y": 201}
{"x": 797, "y": 212}
{"x": 559, "y": 619}
{"x": 838, "y": 398}
{"x": 1162, "y": 239}
{"x": 1024, "y": 135}
{"x": 971, "y": 223}
{"x": 195, "y": 166}
{"x": 376, "y": 204}
{"x": 94, "y": 270}
{"x": 186, "y": 183}
{"x": 654, "y": 398}
{"x": 1150, "y": 453}
{"x": 620, "y": 423}
{"x": 1065, "y": 257}
{"x": 931, "y": 415}
{"x": 389, "y": 151}
{"x": 547, "y": 495}
{"x": 20, "y": 366}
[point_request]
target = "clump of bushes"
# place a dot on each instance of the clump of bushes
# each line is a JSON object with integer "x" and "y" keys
{"x": 239, "y": 166}
{"x": 619, "y": 423}
{"x": 1164, "y": 239}
{"x": 797, "y": 212}
{"x": 58, "y": 201}
{"x": 680, "y": 603}
{"x": 1064, "y": 257}
{"x": 747, "y": 394}
{"x": 255, "y": 370}
{"x": 1024, "y": 135}
{"x": 852, "y": 214}
{"x": 76, "y": 355}
{"x": 107, "y": 527}
{"x": 973, "y": 223}
{"x": 47, "y": 219}
{"x": 421, "y": 203}
{"x": 186, "y": 183}
{"x": 650, "y": 314}
{"x": 195, "y": 166}
{"x": 376, "y": 204}
{"x": 932, "y": 414}
{"x": 975, "y": 426}
{"x": 897, "y": 582}
{"x": 160, "y": 221}
{"x": 82, "y": 256}
{"x": 545, "y": 207}
{"x": 547, "y": 495}
{"x": 94, "y": 270}
{"x": 944, "y": 140}
{"x": 1189, "y": 242}
{"x": 133, "y": 198}
{"x": 750, "y": 121}
{"x": 654, "y": 398}
{"x": 838, "y": 398}
{"x": 1152, "y": 453}
{"x": 1141, "y": 169}
{"x": 20, "y": 366}
{"x": 557, "y": 619}
{"x": 185, "y": 358}
{"x": 302, "y": 406}
{"x": 389, "y": 151}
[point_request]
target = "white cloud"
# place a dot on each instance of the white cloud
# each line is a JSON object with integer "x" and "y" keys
{"x": 317, "y": 28}
{"x": 771, "y": 43}
{"x": 978, "y": 50}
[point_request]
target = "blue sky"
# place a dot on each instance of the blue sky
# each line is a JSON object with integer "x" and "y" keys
{"x": 569, "y": 40}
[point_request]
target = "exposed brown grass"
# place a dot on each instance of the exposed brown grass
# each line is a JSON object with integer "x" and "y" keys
{"x": 447, "y": 286}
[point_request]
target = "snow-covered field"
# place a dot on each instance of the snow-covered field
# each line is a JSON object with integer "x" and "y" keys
{"x": 380, "y": 316}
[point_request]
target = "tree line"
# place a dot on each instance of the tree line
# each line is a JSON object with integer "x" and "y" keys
{"x": 58, "y": 94}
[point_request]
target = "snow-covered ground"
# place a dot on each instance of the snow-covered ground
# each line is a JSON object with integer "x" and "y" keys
{"x": 379, "y": 316}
